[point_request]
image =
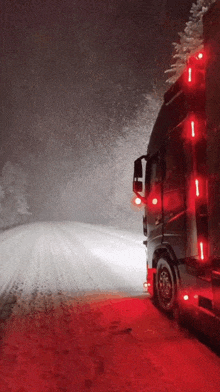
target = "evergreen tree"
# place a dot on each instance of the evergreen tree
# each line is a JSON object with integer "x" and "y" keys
{"x": 13, "y": 196}
{"x": 191, "y": 39}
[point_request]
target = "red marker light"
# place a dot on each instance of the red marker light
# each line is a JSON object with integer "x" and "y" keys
{"x": 193, "y": 128}
{"x": 201, "y": 188}
{"x": 195, "y": 71}
{"x": 201, "y": 250}
{"x": 155, "y": 201}
{"x": 189, "y": 74}
{"x": 197, "y": 187}
{"x": 185, "y": 297}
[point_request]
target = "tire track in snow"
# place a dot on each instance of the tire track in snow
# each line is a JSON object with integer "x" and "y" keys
{"x": 99, "y": 272}
{"x": 68, "y": 257}
{"x": 126, "y": 257}
{"x": 15, "y": 250}
{"x": 73, "y": 257}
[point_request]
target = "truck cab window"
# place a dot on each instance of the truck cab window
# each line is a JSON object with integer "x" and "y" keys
{"x": 175, "y": 162}
{"x": 174, "y": 183}
{"x": 153, "y": 173}
{"x": 154, "y": 185}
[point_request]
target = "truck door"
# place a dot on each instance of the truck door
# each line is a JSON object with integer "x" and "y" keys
{"x": 174, "y": 193}
{"x": 153, "y": 209}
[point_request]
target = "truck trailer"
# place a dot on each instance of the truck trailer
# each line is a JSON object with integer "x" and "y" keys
{"x": 178, "y": 184}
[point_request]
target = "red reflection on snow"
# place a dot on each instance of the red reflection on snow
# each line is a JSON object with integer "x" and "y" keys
{"x": 58, "y": 350}
{"x": 41, "y": 354}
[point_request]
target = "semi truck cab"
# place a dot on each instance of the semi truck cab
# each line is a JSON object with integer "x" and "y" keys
{"x": 173, "y": 183}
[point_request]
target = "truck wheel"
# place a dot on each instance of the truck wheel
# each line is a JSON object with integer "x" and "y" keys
{"x": 165, "y": 286}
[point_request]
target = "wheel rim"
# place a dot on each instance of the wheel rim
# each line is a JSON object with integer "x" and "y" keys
{"x": 165, "y": 288}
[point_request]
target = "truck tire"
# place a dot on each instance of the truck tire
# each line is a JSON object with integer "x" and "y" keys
{"x": 165, "y": 286}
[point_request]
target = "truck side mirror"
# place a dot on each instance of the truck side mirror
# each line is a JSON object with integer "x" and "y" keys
{"x": 137, "y": 186}
{"x": 138, "y": 172}
{"x": 138, "y": 175}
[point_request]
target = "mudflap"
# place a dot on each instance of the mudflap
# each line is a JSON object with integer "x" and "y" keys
{"x": 149, "y": 284}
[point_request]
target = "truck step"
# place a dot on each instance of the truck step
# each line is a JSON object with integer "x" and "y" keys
{"x": 205, "y": 303}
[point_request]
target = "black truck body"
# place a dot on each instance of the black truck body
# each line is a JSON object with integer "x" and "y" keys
{"x": 178, "y": 182}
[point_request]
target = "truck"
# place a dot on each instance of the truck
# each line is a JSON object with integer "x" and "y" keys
{"x": 178, "y": 184}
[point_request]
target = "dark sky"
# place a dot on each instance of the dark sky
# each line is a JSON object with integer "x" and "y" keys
{"x": 180, "y": 8}
{"x": 82, "y": 62}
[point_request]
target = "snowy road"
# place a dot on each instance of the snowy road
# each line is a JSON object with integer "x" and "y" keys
{"x": 71, "y": 258}
{"x": 102, "y": 336}
{"x": 104, "y": 344}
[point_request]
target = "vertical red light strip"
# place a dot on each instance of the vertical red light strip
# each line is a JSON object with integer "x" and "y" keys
{"x": 189, "y": 74}
{"x": 201, "y": 246}
{"x": 197, "y": 187}
{"x": 193, "y": 128}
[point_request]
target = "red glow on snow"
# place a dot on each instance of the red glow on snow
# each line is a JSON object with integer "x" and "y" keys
{"x": 56, "y": 350}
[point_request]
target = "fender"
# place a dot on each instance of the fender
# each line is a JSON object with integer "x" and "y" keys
{"x": 151, "y": 272}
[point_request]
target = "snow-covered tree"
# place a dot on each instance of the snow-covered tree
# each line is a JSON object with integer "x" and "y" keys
{"x": 13, "y": 196}
{"x": 129, "y": 147}
{"x": 191, "y": 39}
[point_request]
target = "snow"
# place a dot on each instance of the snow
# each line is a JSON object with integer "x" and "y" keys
{"x": 103, "y": 335}
{"x": 104, "y": 344}
{"x": 71, "y": 258}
